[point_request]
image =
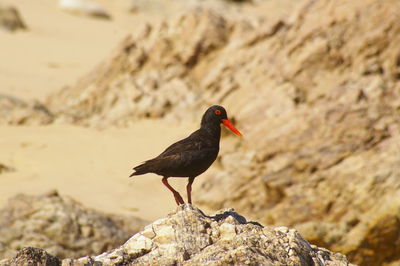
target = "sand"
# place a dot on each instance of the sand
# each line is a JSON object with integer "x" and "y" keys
{"x": 88, "y": 164}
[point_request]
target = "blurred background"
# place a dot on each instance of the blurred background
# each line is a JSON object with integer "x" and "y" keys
{"x": 89, "y": 89}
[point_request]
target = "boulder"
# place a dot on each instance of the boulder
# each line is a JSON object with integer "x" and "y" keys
{"x": 321, "y": 149}
{"x": 189, "y": 237}
{"x": 60, "y": 225}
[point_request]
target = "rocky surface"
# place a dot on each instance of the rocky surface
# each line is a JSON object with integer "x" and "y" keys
{"x": 61, "y": 226}
{"x": 32, "y": 256}
{"x": 10, "y": 19}
{"x": 158, "y": 60}
{"x": 15, "y": 111}
{"x": 322, "y": 153}
{"x": 189, "y": 237}
{"x": 316, "y": 94}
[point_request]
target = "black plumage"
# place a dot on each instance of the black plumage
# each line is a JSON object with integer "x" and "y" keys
{"x": 191, "y": 156}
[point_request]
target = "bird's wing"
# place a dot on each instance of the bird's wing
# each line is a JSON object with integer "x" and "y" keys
{"x": 179, "y": 156}
{"x": 179, "y": 163}
{"x": 188, "y": 144}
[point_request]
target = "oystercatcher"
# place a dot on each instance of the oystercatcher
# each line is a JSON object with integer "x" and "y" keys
{"x": 191, "y": 156}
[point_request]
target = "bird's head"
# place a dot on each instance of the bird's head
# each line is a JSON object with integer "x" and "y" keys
{"x": 216, "y": 115}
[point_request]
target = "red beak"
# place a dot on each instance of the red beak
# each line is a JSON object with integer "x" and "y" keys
{"x": 231, "y": 127}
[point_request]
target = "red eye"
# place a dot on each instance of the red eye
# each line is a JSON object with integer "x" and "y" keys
{"x": 217, "y": 112}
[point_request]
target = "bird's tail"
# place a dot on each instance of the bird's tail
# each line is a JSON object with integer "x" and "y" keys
{"x": 140, "y": 170}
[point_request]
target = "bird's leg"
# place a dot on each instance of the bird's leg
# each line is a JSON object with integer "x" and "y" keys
{"x": 189, "y": 189}
{"x": 178, "y": 197}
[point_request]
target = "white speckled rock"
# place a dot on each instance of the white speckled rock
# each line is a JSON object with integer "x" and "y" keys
{"x": 189, "y": 237}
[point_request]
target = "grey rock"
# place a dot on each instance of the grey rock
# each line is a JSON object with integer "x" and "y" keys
{"x": 61, "y": 226}
{"x": 189, "y": 237}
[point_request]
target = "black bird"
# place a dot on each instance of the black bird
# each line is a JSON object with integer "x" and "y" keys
{"x": 191, "y": 156}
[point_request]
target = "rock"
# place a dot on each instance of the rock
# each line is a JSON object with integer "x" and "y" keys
{"x": 84, "y": 7}
{"x": 149, "y": 69}
{"x": 10, "y": 19}
{"x": 60, "y": 225}
{"x": 33, "y": 256}
{"x": 189, "y": 237}
{"x": 14, "y": 111}
{"x": 321, "y": 150}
